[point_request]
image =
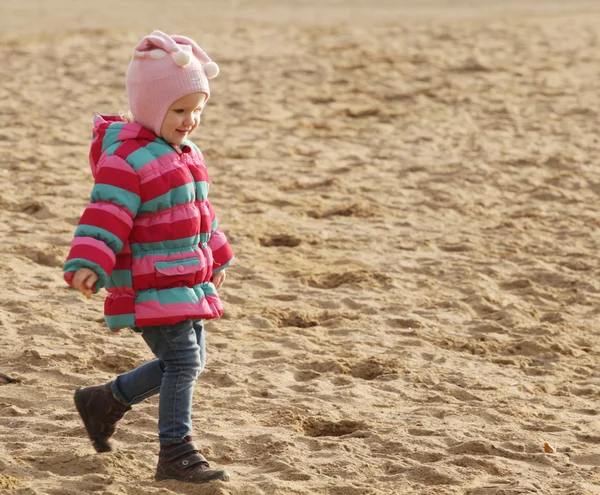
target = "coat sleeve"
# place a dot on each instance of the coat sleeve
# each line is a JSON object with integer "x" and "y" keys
{"x": 219, "y": 245}
{"x": 106, "y": 222}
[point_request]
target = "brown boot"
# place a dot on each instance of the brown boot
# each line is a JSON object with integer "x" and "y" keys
{"x": 100, "y": 411}
{"x": 184, "y": 462}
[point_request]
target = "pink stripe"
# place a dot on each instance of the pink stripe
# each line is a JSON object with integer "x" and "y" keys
{"x": 126, "y": 133}
{"x": 208, "y": 255}
{"x": 145, "y": 265}
{"x": 183, "y": 212}
{"x": 217, "y": 240}
{"x": 211, "y": 211}
{"x": 114, "y": 161}
{"x": 157, "y": 167}
{"x": 99, "y": 245}
{"x": 118, "y": 211}
{"x": 207, "y": 307}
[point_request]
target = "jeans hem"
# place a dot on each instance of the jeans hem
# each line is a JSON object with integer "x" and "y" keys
{"x": 114, "y": 388}
{"x": 165, "y": 442}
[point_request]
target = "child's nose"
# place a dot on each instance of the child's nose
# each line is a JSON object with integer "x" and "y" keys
{"x": 189, "y": 119}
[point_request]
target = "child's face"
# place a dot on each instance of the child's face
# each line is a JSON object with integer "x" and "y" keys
{"x": 182, "y": 117}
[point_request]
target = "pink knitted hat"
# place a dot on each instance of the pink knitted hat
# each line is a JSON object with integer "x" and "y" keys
{"x": 163, "y": 69}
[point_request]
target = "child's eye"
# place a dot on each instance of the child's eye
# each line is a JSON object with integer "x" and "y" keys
{"x": 198, "y": 110}
{"x": 178, "y": 110}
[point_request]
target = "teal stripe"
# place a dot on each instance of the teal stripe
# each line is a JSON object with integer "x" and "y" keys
{"x": 176, "y": 196}
{"x": 150, "y": 152}
{"x": 117, "y": 322}
{"x": 116, "y": 195}
{"x": 209, "y": 289}
{"x": 112, "y": 148}
{"x": 111, "y": 135}
{"x": 108, "y": 238}
{"x": 214, "y": 226}
{"x": 76, "y": 263}
{"x": 120, "y": 278}
{"x": 164, "y": 252}
{"x": 170, "y": 264}
{"x": 177, "y": 295}
{"x": 165, "y": 247}
{"x": 146, "y": 295}
{"x": 204, "y": 238}
{"x": 202, "y": 189}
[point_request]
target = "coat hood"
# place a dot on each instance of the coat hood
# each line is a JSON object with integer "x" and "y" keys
{"x": 112, "y": 129}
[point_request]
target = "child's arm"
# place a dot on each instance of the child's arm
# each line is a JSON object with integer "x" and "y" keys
{"x": 221, "y": 250}
{"x": 84, "y": 281}
{"x": 105, "y": 224}
{"x": 218, "y": 279}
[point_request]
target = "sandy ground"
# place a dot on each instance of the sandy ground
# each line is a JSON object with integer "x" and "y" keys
{"x": 411, "y": 189}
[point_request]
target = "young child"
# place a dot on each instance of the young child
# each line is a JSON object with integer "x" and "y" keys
{"x": 150, "y": 237}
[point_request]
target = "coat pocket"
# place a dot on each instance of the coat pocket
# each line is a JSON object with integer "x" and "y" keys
{"x": 177, "y": 267}
{"x": 187, "y": 272}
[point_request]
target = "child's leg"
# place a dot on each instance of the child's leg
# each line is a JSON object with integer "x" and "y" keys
{"x": 181, "y": 349}
{"x": 145, "y": 381}
{"x": 180, "y": 352}
{"x": 140, "y": 383}
{"x": 101, "y": 407}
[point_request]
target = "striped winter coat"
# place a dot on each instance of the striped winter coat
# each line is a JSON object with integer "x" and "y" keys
{"x": 149, "y": 232}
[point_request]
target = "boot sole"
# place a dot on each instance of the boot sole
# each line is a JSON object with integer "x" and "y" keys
{"x": 222, "y": 476}
{"x": 100, "y": 447}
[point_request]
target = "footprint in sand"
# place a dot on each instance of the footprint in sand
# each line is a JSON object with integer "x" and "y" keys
{"x": 364, "y": 369}
{"x": 406, "y": 323}
{"x": 117, "y": 363}
{"x": 318, "y": 427}
{"x": 431, "y": 476}
{"x": 52, "y": 257}
{"x": 333, "y": 280}
{"x": 266, "y": 354}
{"x": 372, "y": 368}
{"x": 36, "y": 210}
{"x": 360, "y": 210}
{"x": 285, "y": 471}
{"x": 306, "y": 375}
{"x": 218, "y": 379}
{"x": 291, "y": 318}
{"x": 278, "y": 240}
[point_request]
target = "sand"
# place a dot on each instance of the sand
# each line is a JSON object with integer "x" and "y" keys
{"x": 411, "y": 190}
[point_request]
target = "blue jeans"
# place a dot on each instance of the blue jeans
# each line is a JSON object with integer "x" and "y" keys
{"x": 181, "y": 354}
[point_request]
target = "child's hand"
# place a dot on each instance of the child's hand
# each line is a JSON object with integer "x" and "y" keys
{"x": 84, "y": 280}
{"x": 218, "y": 278}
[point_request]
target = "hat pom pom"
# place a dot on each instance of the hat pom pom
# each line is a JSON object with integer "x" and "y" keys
{"x": 211, "y": 69}
{"x": 157, "y": 54}
{"x": 182, "y": 58}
